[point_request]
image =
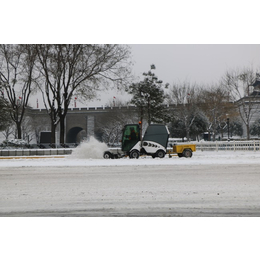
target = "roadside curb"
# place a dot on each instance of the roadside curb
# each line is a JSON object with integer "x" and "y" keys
{"x": 30, "y": 157}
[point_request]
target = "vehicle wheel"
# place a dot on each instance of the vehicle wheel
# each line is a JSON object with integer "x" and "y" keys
{"x": 180, "y": 155}
{"x": 107, "y": 155}
{"x": 160, "y": 154}
{"x": 134, "y": 154}
{"x": 187, "y": 153}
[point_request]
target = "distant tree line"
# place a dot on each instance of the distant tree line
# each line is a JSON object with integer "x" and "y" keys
{"x": 215, "y": 109}
{"x": 60, "y": 71}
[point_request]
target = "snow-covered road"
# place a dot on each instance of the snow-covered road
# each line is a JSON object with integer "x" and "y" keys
{"x": 199, "y": 158}
{"x": 208, "y": 184}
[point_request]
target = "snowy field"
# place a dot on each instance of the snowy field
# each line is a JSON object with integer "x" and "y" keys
{"x": 210, "y": 184}
{"x": 223, "y": 183}
{"x": 199, "y": 158}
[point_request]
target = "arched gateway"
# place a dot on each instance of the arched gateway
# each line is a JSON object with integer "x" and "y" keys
{"x": 81, "y": 123}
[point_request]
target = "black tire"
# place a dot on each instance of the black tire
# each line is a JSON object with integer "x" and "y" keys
{"x": 107, "y": 155}
{"x": 134, "y": 154}
{"x": 187, "y": 153}
{"x": 160, "y": 154}
{"x": 180, "y": 155}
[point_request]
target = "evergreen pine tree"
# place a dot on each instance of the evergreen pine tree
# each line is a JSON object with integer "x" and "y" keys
{"x": 149, "y": 98}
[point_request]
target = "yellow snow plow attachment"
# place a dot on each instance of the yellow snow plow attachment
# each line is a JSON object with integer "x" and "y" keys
{"x": 182, "y": 150}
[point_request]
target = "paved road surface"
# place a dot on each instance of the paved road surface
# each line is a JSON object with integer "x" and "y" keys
{"x": 138, "y": 191}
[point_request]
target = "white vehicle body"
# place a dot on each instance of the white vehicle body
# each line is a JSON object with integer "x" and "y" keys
{"x": 153, "y": 143}
{"x": 152, "y": 147}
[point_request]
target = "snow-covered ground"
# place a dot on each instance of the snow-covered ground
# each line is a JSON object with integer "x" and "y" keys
{"x": 84, "y": 184}
{"x": 199, "y": 158}
{"x": 132, "y": 187}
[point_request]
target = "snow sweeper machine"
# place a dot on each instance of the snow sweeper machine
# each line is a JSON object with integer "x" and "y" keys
{"x": 153, "y": 143}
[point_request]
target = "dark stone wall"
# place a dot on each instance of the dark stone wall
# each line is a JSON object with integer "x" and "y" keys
{"x": 82, "y": 122}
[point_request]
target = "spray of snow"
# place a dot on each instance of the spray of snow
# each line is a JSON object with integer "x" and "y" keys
{"x": 91, "y": 149}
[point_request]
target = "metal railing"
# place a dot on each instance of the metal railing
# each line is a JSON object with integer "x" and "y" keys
{"x": 253, "y": 145}
{"x": 35, "y": 152}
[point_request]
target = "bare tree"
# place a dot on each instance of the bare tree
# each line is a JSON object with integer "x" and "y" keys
{"x": 110, "y": 126}
{"x": 9, "y": 131}
{"x": 240, "y": 86}
{"x": 185, "y": 97}
{"x": 29, "y": 128}
{"x": 80, "y": 69}
{"x": 16, "y": 78}
{"x": 215, "y": 104}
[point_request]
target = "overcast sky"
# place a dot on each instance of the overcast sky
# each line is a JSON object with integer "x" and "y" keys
{"x": 145, "y": 22}
{"x": 200, "y": 63}
{"x": 195, "y": 63}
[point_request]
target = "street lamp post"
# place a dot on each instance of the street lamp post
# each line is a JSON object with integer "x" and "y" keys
{"x": 228, "y": 127}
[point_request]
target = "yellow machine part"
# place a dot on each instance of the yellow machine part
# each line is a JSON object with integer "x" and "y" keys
{"x": 180, "y": 148}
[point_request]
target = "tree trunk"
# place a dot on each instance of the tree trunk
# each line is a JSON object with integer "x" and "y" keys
{"x": 188, "y": 134}
{"x": 19, "y": 130}
{"x": 248, "y": 132}
{"x": 62, "y": 129}
{"x": 53, "y": 136}
{"x": 149, "y": 112}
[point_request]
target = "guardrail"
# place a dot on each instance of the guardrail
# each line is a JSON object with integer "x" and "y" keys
{"x": 35, "y": 152}
{"x": 253, "y": 145}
